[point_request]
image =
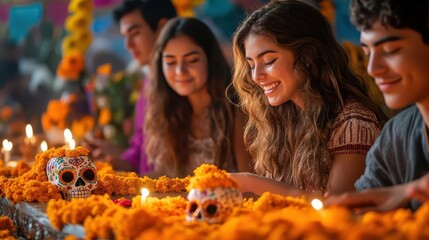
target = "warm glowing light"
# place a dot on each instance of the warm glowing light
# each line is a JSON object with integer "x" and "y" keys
{"x": 29, "y": 131}
{"x": 67, "y": 135}
{"x": 7, "y": 145}
{"x": 145, "y": 193}
{"x": 317, "y": 204}
{"x": 72, "y": 144}
{"x": 44, "y": 146}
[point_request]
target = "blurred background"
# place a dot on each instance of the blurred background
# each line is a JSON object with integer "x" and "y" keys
{"x": 39, "y": 84}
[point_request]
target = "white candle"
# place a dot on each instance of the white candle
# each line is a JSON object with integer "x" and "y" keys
{"x": 44, "y": 146}
{"x": 7, "y": 148}
{"x": 145, "y": 193}
{"x": 317, "y": 204}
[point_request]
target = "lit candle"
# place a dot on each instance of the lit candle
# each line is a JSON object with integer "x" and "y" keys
{"x": 44, "y": 146}
{"x": 29, "y": 133}
{"x": 145, "y": 193}
{"x": 67, "y": 136}
{"x": 72, "y": 144}
{"x": 317, "y": 204}
{"x": 7, "y": 148}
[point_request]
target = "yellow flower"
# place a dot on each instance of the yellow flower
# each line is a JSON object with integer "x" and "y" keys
{"x": 77, "y": 41}
{"x": 78, "y": 22}
{"x": 80, "y": 6}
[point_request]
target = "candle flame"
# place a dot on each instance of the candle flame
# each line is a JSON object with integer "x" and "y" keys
{"x": 29, "y": 131}
{"x": 44, "y": 146}
{"x": 7, "y": 145}
{"x": 145, "y": 193}
{"x": 72, "y": 144}
{"x": 67, "y": 135}
{"x": 317, "y": 204}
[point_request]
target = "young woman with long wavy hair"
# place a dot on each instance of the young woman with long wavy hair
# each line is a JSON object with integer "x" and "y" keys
{"x": 311, "y": 121}
{"x": 189, "y": 119}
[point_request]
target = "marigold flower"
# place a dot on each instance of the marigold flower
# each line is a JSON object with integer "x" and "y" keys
{"x": 78, "y": 21}
{"x": 209, "y": 176}
{"x": 71, "y": 66}
{"x": 80, "y": 6}
{"x": 55, "y": 115}
{"x": 6, "y": 113}
{"x": 21, "y": 168}
{"x": 105, "y": 116}
{"x": 118, "y": 76}
{"x": 104, "y": 69}
{"x": 6, "y": 228}
{"x": 327, "y": 8}
{"x": 82, "y": 126}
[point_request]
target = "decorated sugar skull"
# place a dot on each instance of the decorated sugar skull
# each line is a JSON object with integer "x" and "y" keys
{"x": 212, "y": 205}
{"x": 75, "y": 177}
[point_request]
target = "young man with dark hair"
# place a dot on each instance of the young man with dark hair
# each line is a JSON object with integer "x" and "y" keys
{"x": 395, "y": 37}
{"x": 140, "y": 22}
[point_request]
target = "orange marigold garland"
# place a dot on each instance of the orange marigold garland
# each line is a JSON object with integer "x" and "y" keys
{"x": 272, "y": 216}
{"x": 269, "y": 201}
{"x": 21, "y": 168}
{"x": 33, "y": 185}
{"x": 4, "y": 170}
{"x": 77, "y": 210}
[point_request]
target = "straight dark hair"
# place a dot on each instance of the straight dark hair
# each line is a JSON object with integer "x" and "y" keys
{"x": 151, "y": 10}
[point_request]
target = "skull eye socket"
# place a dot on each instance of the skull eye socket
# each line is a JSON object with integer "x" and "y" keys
{"x": 67, "y": 176}
{"x": 88, "y": 174}
{"x": 211, "y": 209}
{"x": 192, "y": 207}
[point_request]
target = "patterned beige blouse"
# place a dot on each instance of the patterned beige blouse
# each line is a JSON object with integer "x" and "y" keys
{"x": 354, "y": 129}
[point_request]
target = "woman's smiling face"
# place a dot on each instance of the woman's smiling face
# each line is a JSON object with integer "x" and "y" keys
{"x": 272, "y": 68}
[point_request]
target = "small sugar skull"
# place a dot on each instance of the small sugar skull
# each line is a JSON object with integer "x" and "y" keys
{"x": 75, "y": 177}
{"x": 212, "y": 205}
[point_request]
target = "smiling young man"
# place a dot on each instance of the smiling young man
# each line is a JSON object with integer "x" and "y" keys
{"x": 395, "y": 37}
{"x": 140, "y": 22}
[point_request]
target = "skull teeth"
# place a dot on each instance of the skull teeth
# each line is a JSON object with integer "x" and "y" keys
{"x": 78, "y": 194}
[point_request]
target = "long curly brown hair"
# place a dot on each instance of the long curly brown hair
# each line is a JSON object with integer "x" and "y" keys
{"x": 286, "y": 143}
{"x": 168, "y": 115}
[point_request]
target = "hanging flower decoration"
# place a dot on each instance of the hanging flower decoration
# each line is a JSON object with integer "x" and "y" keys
{"x": 185, "y": 8}
{"x": 327, "y": 8}
{"x": 71, "y": 66}
{"x": 77, "y": 41}
{"x": 55, "y": 115}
